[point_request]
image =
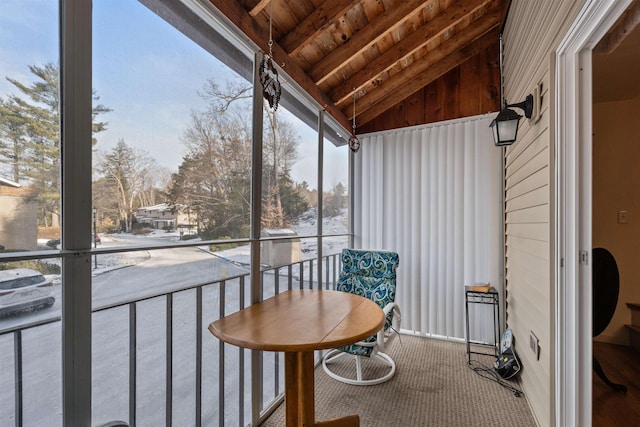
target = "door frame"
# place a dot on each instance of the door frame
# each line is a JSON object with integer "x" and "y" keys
{"x": 573, "y": 204}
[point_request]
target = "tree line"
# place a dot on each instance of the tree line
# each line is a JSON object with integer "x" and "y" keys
{"x": 213, "y": 181}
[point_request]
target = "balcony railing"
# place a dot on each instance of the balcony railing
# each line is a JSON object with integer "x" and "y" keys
{"x": 204, "y": 379}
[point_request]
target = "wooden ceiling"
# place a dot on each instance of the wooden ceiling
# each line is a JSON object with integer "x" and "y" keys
{"x": 378, "y": 51}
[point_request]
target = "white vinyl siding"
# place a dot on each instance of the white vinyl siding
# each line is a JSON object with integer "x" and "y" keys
{"x": 532, "y": 31}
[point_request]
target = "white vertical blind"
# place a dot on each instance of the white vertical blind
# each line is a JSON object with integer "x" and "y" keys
{"x": 432, "y": 194}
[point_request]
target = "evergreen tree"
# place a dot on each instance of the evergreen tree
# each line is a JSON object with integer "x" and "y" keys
{"x": 293, "y": 199}
{"x": 12, "y": 140}
{"x": 333, "y": 201}
{"x": 30, "y": 133}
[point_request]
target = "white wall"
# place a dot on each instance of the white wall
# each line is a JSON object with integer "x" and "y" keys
{"x": 616, "y": 176}
{"x": 18, "y": 222}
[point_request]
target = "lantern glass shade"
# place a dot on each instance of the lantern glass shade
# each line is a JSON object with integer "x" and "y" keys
{"x": 505, "y": 127}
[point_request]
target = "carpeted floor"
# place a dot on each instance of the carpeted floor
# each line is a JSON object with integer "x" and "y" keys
{"x": 433, "y": 386}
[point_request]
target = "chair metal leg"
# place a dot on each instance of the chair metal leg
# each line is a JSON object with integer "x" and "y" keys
{"x": 334, "y": 354}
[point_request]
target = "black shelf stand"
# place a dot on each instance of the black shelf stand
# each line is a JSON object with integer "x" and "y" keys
{"x": 491, "y": 297}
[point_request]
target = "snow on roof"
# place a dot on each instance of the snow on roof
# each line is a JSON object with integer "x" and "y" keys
{"x": 160, "y": 207}
{"x": 9, "y": 183}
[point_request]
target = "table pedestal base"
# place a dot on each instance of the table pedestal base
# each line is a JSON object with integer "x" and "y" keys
{"x": 299, "y": 383}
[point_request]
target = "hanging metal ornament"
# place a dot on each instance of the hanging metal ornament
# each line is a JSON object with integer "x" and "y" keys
{"x": 271, "y": 88}
{"x": 354, "y": 142}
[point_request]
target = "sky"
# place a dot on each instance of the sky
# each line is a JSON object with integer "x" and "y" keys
{"x": 146, "y": 71}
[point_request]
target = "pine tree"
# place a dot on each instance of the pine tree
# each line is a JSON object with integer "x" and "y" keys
{"x": 30, "y": 133}
{"x": 334, "y": 200}
{"x": 12, "y": 140}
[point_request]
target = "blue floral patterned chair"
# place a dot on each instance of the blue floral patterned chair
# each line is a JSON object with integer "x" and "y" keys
{"x": 371, "y": 274}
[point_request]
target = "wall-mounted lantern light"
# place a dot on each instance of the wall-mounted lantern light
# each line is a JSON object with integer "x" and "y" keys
{"x": 505, "y": 125}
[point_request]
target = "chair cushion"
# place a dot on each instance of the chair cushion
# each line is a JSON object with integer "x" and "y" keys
{"x": 378, "y": 264}
{"x": 371, "y": 274}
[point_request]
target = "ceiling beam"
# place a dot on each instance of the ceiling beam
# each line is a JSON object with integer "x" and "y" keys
{"x": 620, "y": 30}
{"x": 260, "y": 36}
{"x": 408, "y": 46}
{"x": 401, "y": 85}
{"x": 366, "y": 37}
{"x": 316, "y": 22}
{"x": 256, "y": 6}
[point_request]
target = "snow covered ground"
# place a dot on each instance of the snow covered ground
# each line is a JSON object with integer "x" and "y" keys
{"x": 111, "y": 371}
{"x": 306, "y": 225}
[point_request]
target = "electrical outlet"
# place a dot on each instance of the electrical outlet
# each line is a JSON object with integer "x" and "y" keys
{"x": 534, "y": 344}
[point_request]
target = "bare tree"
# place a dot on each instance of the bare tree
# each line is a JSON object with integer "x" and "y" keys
{"x": 214, "y": 177}
{"x": 154, "y": 186}
{"x": 221, "y": 99}
{"x": 280, "y": 155}
{"x": 128, "y": 172}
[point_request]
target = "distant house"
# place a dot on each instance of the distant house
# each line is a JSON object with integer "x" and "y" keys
{"x": 18, "y": 216}
{"x": 165, "y": 216}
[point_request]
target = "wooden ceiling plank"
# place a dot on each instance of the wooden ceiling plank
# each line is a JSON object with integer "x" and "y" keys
{"x": 406, "y": 87}
{"x": 315, "y": 23}
{"x": 432, "y": 29}
{"x": 364, "y": 38}
{"x": 460, "y": 39}
{"x": 396, "y": 82}
{"x": 260, "y": 36}
{"x": 625, "y": 25}
{"x": 257, "y": 6}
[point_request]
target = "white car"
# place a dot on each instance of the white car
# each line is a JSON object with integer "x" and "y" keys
{"x": 24, "y": 289}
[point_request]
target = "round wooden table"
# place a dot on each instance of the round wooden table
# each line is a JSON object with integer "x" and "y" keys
{"x": 298, "y": 322}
